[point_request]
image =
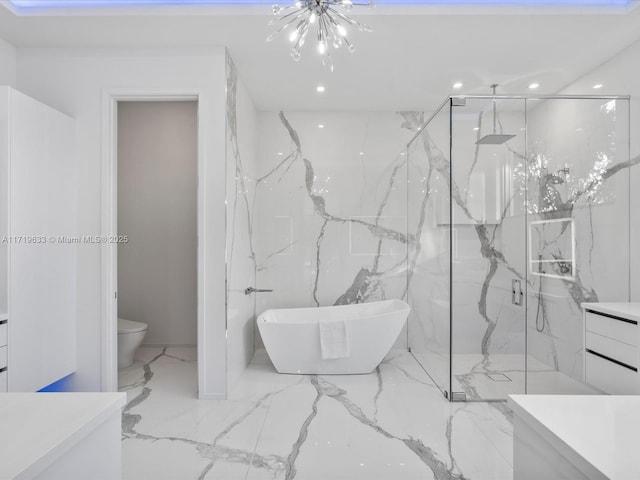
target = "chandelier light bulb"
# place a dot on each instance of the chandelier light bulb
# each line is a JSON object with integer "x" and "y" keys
{"x": 323, "y": 16}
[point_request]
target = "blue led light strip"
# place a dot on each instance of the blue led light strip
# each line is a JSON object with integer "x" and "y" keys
{"x": 26, "y": 4}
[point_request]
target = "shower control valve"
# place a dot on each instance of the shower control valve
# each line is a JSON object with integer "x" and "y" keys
{"x": 250, "y": 290}
{"x": 517, "y": 295}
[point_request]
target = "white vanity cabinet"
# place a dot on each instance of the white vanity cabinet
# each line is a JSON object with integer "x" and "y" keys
{"x": 37, "y": 266}
{"x": 611, "y": 347}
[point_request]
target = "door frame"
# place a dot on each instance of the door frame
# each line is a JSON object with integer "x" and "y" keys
{"x": 109, "y": 224}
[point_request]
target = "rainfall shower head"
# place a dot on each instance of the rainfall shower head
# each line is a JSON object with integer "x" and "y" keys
{"x": 494, "y": 138}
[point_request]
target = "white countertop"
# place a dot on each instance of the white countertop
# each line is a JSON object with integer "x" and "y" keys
{"x": 630, "y": 310}
{"x": 599, "y": 434}
{"x": 37, "y": 428}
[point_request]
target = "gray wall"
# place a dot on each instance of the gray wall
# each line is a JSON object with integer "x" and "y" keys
{"x": 157, "y": 175}
{"x": 7, "y": 64}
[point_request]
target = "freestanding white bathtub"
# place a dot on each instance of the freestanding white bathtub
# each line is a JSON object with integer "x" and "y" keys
{"x": 292, "y": 336}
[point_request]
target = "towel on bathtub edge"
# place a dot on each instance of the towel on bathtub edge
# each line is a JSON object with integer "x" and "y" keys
{"x": 334, "y": 342}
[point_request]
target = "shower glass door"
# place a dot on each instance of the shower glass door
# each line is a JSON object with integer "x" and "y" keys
{"x": 518, "y": 213}
{"x": 488, "y": 223}
{"x": 428, "y": 252}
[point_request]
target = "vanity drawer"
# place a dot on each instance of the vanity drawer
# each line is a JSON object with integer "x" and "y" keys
{"x": 620, "y": 330}
{"x": 3, "y": 357}
{"x": 619, "y": 351}
{"x": 3, "y": 382}
{"x": 610, "y": 377}
{"x": 3, "y": 334}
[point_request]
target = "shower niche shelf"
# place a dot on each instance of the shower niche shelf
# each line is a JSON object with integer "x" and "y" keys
{"x": 557, "y": 263}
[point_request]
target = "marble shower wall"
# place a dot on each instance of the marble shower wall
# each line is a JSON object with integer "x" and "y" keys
{"x": 579, "y": 211}
{"x": 241, "y": 158}
{"x": 330, "y": 209}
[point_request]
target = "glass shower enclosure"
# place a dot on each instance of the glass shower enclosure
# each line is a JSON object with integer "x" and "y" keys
{"x": 518, "y": 210}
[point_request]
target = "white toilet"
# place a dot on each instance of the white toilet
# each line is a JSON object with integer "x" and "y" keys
{"x": 130, "y": 335}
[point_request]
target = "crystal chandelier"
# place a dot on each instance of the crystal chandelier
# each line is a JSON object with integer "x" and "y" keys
{"x": 330, "y": 25}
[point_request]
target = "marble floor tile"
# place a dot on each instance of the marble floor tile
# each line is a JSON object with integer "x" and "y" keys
{"x": 499, "y": 375}
{"x": 160, "y": 460}
{"x": 391, "y": 424}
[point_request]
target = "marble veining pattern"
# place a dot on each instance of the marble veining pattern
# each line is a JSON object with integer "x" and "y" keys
{"x": 366, "y": 285}
{"x": 336, "y": 226}
{"x": 303, "y": 178}
{"x": 393, "y": 423}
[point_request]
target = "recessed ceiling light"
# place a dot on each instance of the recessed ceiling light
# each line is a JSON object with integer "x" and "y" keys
{"x": 320, "y": 125}
{"x": 361, "y": 153}
{"x": 598, "y": 85}
{"x": 476, "y": 128}
{"x": 533, "y": 86}
{"x": 457, "y": 85}
{"x": 280, "y": 154}
{"x": 320, "y": 89}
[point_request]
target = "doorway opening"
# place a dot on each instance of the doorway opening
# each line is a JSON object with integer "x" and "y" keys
{"x": 156, "y": 252}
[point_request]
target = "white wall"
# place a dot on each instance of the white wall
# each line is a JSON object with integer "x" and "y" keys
{"x": 73, "y": 81}
{"x": 7, "y": 64}
{"x": 157, "y": 207}
{"x": 620, "y": 77}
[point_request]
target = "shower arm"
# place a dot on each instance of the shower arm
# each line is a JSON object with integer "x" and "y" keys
{"x": 493, "y": 87}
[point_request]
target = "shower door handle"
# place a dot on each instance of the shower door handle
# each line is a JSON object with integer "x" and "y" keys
{"x": 250, "y": 290}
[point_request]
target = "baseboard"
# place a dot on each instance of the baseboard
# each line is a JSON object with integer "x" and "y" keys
{"x": 211, "y": 396}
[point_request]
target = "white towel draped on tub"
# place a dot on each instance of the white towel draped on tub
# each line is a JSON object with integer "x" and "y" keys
{"x": 334, "y": 342}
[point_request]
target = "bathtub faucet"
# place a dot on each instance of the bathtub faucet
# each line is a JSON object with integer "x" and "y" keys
{"x": 250, "y": 290}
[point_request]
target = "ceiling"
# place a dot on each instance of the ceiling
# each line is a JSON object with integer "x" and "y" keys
{"x": 410, "y": 61}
